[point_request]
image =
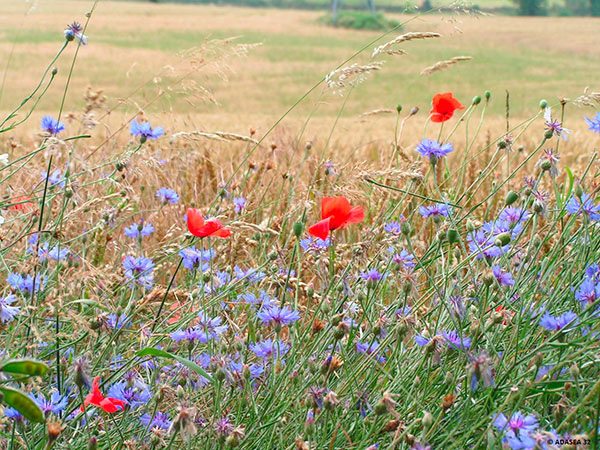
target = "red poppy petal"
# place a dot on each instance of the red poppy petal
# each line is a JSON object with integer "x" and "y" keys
{"x": 107, "y": 406}
{"x": 320, "y": 229}
{"x": 334, "y": 206}
{"x": 222, "y": 233}
{"x": 195, "y": 221}
{"x": 438, "y": 118}
{"x": 357, "y": 215}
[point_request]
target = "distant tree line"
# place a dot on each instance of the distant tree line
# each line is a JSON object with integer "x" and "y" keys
{"x": 575, "y": 7}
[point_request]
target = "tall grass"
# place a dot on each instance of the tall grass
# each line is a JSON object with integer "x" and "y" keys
{"x": 460, "y": 312}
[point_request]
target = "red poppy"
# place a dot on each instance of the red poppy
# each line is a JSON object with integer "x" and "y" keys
{"x": 201, "y": 228}
{"x": 443, "y": 107}
{"x": 336, "y": 212}
{"x": 108, "y": 404}
{"x": 21, "y": 203}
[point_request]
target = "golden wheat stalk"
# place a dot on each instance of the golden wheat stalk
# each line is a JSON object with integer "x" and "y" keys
{"x": 350, "y": 75}
{"x": 216, "y": 135}
{"x": 385, "y": 48}
{"x": 441, "y": 65}
{"x": 377, "y": 112}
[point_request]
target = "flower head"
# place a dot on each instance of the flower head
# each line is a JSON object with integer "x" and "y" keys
{"x": 594, "y": 122}
{"x": 556, "y": 323}
{"x": 443, "y": 107}
{"x": 139, "y": 270}
{"x": 140, "y": 229}
{"x": 240, "y": 204}
{"x": 51, "y": 126}
{"x": 108, "y": 404}
{"x": 75, "y": 30}
{"x": 278, "y": 316}
{"x": 167, "y": 195}
{"x": 555, "y": 126}
{"x": 201, "y": 228}
{"x": 436, "y": 210}
{"x": 336, "y": 213}
{"x": 517, "y": 430}
{"x": 7, "y": 311}
{"x": 269, "y": 349}
{"x": 433, "y": 149}
{"x": 145, "y": 131}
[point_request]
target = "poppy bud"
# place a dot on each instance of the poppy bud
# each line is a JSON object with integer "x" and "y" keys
{"x": 339, "y": 333}
{"x": 93, "y": 443}
{"x": 427, "y": 420}
{"x": 476, "y": 100}
{"x": 543, "y": 104}
{"x": 180, "y": 393}
{"x": 488, "y": 94}
{"x": 452, "y": 235}
{"x": 308, "y": 145}
{"x": 504, "y": 239}
{"x": 54, "y": 70}
{"x": 399, "y": 108}
{"x": 380, "y": 408}
{"x": 414, "y": 110}
{"x": 511, "y": 198}
{"x": 574, "y": 370}
{"x": 298, "y": 228}
{"x": 325, "y": 307}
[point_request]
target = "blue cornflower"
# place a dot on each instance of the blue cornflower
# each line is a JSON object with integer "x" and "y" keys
{"x": 194, "y": 258}
{"x": 556, "y": 323}
{"x": 8, "y": 312}
{"x": 594, "y": 122}
{"x": 211, "y": 326}
{"x": 588, "y": 292}
{"x": 55, "y": 404}
{"x": 593, "y": 271}
{"x": 12, "y": 413}
{"x": 260, "y": 301}
{"x": 75, "y": 30}
{"x": 58, "y": 252}
{"x": 437, "y": 210}
{"x": 135, "y": 396}
{"x": 433, "y": 149}
{"x": 54, "y": 127}
{"x": 504, "y": 278}
{"x": 315, "y": 245}
{"x": 517, "y": 429}
{"x": 482, "y": 241}
{"x": 25, "y": 284}
{"x": 277, "y": 316}
{"x": 160, "y": 420}
{"x": 139, "y": 270}
{"x": 167, "y": 195}
{"x": 372, "y": 276}
{"x": 190, "y": 334}
{"x": 371, "y": 348}
{"x": 404, "y": 259}
{"x": 117, "y": 322}
{"x": 585, "y": 206}
{"x": 145, "y": 131}
{"x": 55, "y": 178}
{"x": 256, "y": 370}
{"x": 514, "y": 214}
{"x": 395, "y": 227}
{"x": 455, "y": 341}
{"x": 252, "y": 275}
{"x": 421, "y": 340}
{"x": 140, "y": 229}
{"x": 269, "y": 349}
{"x": 240, "y": 204}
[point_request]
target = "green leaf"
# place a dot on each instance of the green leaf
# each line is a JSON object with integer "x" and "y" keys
{"x": 22, "y": 403}
{"x": 29, "y": 367}
{"x": 571, "y": 182}
{"x": 149, "y": 351}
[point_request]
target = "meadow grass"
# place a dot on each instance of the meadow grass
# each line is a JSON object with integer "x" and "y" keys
{"x": 455, "y": 306}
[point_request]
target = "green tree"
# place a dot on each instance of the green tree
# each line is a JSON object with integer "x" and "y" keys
{"x": 595, "y": 7}
{"x": 531, "y": 7}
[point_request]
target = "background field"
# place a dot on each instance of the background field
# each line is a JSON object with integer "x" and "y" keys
{"x": 135, "y": 50}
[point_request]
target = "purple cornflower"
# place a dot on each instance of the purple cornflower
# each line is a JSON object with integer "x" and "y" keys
{"x": 556, "y": 323}
{"x": 549, "y": 161}
{"x": 138, "y": 230}
{"x": 224, "y": 426}
{"x": 194, "y": 258}
{"x": 421, "y": 340}
{"x": 433, "y": 150}
{"x": 145, "y": 131}
{"x": 25, "y": 284}
{"x": 517, "y": 429}
{"x": 315, "y": 245}
{"x": 455, "y": 341}
{"x": 584, "y": 206}
{"x": 437, "y": 210}
{"x": 588, "y": 292}
{"x": 75, "y": 30}
{"x": 54, "y": 127}
{"x": 395, "y": 227}
{"x": 555, "y": 126}
{"x": 481, "y": 370}
{"x": 190, "y": 334}
{"x": 260, "y": 301}
{"x": 8, "y": 312}
{"x": 482, "y": 241}
{"x": 457, "y": 305}
{"x": 278, "y": 316}
{"x": 167, "y": 195}
{"x": 371, "y": 348}
{"x": 514, "y": 214}
{"x": 55, "y": 178}
{"x": 58, "y": 252}
{"x": 594, "y": 122}
{"x": 269, "y": 349}
{"x": 55, "y": 404}
{"x": 211, "y": 326}
{"x": 137, "y": 395}
{"x": 117, "y": 322}
{"x": 240, "y": 204}
{"x": 330, "y": 168}
{"x": 504, "y": 278}
{"x": 139, "y": 270}
{"x": 256, "y": 370}
{"x": 404, "y": 259}
{"x": 160, "y": 420}
{"x": 372, "y": 276}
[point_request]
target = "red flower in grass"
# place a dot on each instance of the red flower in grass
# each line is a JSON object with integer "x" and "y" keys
{"x": 108, "y": 404}
{"x": 21, "y": 203}
{"x": 443, "y": 107}
{"x": 336, "y": 212}
{"x": 201, "y": 228}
